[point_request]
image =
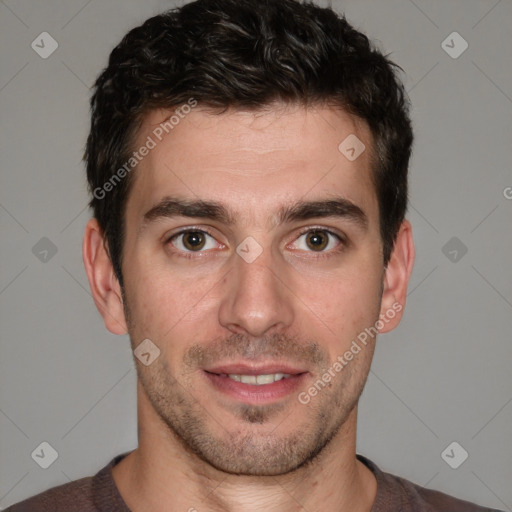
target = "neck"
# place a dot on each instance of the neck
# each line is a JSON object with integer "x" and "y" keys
{"x": 162, "y": 475}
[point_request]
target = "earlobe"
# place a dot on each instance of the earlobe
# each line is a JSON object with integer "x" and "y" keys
{"x": 396, "y": 278}
{"x": 103, "y": 282}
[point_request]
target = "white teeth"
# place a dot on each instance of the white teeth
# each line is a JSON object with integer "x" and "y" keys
{"x": 258, "y": 380}
{"x": 265, "y": 379}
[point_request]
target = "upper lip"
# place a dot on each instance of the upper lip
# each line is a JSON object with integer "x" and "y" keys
{"x": 254, "y": 369}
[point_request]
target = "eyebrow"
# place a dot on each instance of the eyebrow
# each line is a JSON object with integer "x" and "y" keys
{"x": 339, "y": 207}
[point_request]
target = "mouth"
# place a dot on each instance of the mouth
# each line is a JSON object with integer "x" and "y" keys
{"x": 255, "y": 384}
{"x": 257, "y": 380}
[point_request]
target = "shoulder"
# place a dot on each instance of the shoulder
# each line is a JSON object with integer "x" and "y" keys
{"x": 76, "y": 495}
{"x": 420, "y": 498}
{"x": 397, "y": 493}
{"x": 96, "y": 493}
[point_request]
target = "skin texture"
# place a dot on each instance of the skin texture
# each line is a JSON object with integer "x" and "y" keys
{"x": 295, "y": 304}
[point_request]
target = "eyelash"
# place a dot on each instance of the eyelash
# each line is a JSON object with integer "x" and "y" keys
{"x": 321, "y": 255}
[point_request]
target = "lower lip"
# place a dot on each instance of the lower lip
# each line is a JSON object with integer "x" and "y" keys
{"x": 250, "y": 393}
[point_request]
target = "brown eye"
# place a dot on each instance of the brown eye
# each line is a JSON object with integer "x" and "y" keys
{"x": 320, "y": 241}
{"x": 317, "y": 240}
{"x": 194, "y": 240}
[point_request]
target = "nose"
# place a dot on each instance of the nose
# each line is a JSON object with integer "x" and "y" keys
{"x": 256, "y": 298}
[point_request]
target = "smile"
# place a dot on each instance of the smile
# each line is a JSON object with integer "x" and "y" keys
{"x": 256, "y": 388}
{"x": 258, "y": 380}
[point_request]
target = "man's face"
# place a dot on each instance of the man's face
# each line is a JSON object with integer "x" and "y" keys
{"x": 267, "y": 288}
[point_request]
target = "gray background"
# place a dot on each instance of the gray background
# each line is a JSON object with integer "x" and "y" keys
{"x": 442, "y": 376}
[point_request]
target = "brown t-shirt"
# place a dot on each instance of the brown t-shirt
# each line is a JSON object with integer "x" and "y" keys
{"x": 99, "y": 494}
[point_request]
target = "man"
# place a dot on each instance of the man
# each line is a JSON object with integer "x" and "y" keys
{"x": 248, "y": 168}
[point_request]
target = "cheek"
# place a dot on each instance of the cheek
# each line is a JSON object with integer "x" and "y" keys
{"x": 341, "y": 303}
{"x": 164, "y": 302}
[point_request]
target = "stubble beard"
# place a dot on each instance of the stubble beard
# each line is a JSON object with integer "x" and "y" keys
{"x": 260, "y": 440}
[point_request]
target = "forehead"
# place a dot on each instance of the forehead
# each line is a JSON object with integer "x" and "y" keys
{"x": 254, "y": 162}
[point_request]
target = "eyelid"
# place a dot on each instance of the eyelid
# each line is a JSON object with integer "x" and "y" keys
{"x": 187, "y": 229}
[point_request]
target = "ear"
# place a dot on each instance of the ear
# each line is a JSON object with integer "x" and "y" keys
{"x": 105, "y": 287}
{"x": 396, "y": 278}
